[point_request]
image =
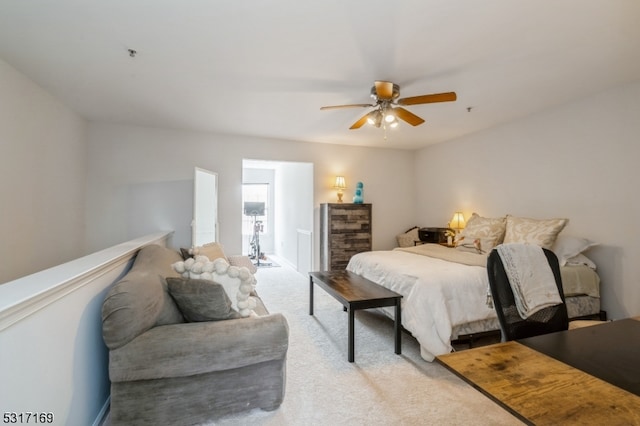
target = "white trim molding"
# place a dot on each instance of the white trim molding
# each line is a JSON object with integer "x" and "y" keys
{"x": 25, "y": 296}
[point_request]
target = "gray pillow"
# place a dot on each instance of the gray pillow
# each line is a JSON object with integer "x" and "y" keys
{"x": 201, "y": 300}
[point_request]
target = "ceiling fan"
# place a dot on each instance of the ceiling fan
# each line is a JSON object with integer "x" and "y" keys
{"x": 388, "y": 108}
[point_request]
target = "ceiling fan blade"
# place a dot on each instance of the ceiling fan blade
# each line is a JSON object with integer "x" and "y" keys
{"x": 407, "y": 116}
{"x": 346, "y": 106}
{"x": 428, "y": 99}
{"x": 360, "y": 122}
{"x": 384, "y": 90}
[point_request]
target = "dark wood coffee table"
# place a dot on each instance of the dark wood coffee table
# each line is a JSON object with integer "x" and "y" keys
{"x": 588, "y": 375}
{"x": 355, "y": 292}
{"x": 609, "y": 351}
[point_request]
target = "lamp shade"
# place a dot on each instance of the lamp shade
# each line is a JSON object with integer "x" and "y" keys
{"x": 375, "y": 118}
{"x": 340, "y": 183}
{"x": 457, "y": 222}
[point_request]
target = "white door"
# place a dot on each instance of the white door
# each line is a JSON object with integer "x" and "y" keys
{"x": 205, "y": 208}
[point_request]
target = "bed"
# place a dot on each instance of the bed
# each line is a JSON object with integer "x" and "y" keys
{"x": 445, "y": 289}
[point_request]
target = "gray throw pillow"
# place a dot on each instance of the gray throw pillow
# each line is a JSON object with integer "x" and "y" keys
{"x": 201, "y": 300}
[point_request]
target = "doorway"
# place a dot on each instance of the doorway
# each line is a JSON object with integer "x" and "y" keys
{"x": 286, "y": 188}
{"x": 204, "y": 227}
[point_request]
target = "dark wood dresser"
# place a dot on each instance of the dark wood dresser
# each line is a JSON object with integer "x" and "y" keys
{"x": 345, "y": 229}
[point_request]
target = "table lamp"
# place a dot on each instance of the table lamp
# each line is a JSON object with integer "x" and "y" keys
{"x": 457, "y": 222}
{"x": 340, "y": 185}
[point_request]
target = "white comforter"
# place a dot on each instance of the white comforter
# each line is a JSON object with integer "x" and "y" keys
{"x": 437, "y": 294}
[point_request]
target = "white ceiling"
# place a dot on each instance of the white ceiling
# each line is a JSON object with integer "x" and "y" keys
{"x": 264, "y": 67}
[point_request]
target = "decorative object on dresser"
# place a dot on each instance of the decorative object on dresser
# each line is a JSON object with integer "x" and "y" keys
{"x": 340, "y": 186}
{"x": 358, "y": 198}
{"x": 345, "y": 230}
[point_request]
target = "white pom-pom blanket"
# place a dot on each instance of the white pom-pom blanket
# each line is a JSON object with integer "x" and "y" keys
{"x": 238, "y": 282}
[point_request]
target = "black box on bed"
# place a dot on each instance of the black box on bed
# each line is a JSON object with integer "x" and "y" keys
{"x": 432, "y": 235}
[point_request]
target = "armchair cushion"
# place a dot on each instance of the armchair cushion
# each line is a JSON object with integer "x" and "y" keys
{"x": 139, "y": 301}
{"x": 182, "y": 350}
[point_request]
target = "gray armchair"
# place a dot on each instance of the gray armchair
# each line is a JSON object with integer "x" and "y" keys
{"x": 167, "y": 371}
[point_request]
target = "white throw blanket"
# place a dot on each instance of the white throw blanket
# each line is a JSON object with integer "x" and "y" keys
{"x": 531, "y": 278}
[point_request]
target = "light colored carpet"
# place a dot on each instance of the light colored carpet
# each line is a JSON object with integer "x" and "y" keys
{"x": 380, "y": 388}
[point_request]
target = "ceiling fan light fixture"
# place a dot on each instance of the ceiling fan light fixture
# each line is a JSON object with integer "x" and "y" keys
{"x": 390, "y": 115}
{"x": 389, "y": 109}
{"x": 375, "y": 118}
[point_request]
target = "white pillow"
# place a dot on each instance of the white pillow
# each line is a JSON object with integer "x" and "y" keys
{"x": 567, "y": 247}
{"x": 581, "y": 259}
{"x": 409, "y": 238}
{"x": 212, "y": 250}
{"x": 542, "y": 232}
{"x": 238, "y": 282}
{"x": 484, "y": 227}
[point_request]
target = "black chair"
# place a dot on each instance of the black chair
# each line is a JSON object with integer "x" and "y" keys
{"x": 512, "y": 325}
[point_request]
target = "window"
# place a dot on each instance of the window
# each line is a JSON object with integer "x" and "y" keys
{"x": 256, "y": 192}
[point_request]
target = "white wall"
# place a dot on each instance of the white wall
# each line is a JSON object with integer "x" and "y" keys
{"x": 122, "y": 157}
{"x": 294, "y": 198}
{"x": 42, "y": 184}
{"x": 53, "y": 358}
{"x": 578, "y": 161}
